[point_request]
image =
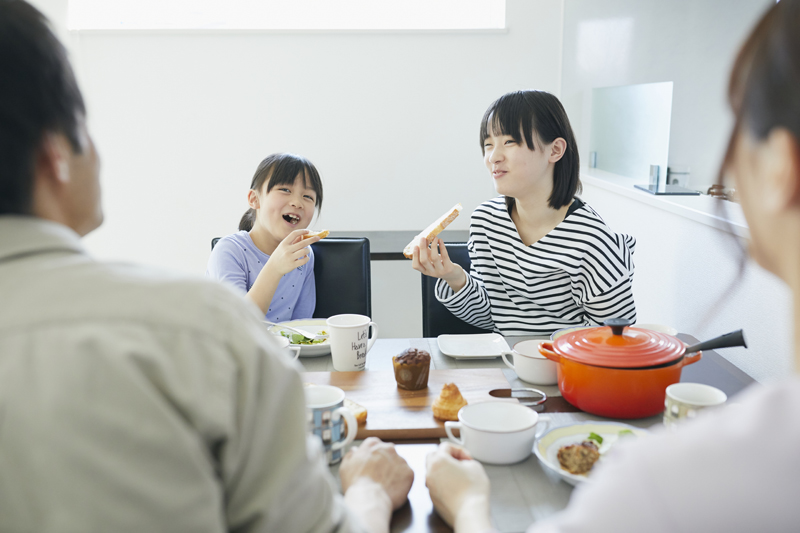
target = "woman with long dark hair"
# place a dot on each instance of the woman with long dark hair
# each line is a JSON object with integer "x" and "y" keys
{"x": 737, "y": 469}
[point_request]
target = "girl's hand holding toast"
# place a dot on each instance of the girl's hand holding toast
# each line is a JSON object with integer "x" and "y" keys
{"x": 433, "y": 261}
{"x": 291, "y": 253}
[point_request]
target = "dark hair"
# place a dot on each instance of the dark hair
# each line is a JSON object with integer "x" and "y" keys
{"x": 38, "y": 95}
{"x": 282, "y": 169}
{"x": 523, "y": 113}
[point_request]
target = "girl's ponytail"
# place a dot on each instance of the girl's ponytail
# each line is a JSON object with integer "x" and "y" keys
{"x": 248, "y": 219}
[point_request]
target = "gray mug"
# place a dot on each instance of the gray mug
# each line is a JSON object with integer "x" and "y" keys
{"x": 326, "y": 415}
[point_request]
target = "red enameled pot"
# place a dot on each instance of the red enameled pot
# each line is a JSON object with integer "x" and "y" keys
{"x": 617, "y": 371}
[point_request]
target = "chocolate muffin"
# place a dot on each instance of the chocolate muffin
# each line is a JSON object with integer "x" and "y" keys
{"x": 411, "y": 369}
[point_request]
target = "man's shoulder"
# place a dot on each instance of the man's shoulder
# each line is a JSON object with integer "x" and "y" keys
{"x": 119, "y": 294}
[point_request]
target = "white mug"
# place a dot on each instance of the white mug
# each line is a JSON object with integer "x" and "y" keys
{"x": 350, "y": 341}
{"x": 284, "y": 343}
{"x": 324, "y": 413}
{"x": 498, "y": 433}
{"x": 530, "y": 365}
{"x": 686, "y": 400}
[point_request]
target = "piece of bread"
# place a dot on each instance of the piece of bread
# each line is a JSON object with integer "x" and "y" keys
{"x": 433, "y": 230}
{"x": 321, "y": 234}
{"x": 448, "y": 403}
{"x": 359, "y": 411}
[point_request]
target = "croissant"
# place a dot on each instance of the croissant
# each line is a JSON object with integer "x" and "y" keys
{"x": 448, "y": 403}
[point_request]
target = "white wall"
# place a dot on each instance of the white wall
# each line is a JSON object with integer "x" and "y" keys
{"x": 391, "y": 120}
{"x": 682, "y": 267}
{"x": 689, "y": 42}
{"x": 686, "y": 276}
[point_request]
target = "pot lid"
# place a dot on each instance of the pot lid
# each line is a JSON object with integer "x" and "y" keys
{"x": 617, "y": 345}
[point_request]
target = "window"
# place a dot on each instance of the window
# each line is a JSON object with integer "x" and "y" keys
{"x": 286, "y": 14}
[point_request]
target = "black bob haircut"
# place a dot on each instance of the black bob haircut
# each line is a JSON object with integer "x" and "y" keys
{"x": 282, "y": 169}
{"x": 38, "y": 95}
{"x": 527, "y": 113}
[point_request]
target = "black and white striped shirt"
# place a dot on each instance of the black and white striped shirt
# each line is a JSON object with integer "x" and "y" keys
{"x": 579, "y": 274}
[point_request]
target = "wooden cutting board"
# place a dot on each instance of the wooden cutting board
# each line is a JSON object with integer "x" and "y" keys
{"x": 398, "y": 414}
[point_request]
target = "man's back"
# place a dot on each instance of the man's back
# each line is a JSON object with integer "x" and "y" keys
{"x": 131, "y": 401}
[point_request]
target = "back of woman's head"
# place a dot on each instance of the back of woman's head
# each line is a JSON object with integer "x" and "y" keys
{"x": 282, "y": 169}
{"x": 764, "y": 88}
{"x": 537, "y": 115}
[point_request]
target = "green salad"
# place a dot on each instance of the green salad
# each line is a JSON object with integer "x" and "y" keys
{"x": 296, "y": 338}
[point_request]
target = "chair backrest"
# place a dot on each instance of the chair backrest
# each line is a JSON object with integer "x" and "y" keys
{"x": 343, "y": 276}
{"x": 436, "y": 318}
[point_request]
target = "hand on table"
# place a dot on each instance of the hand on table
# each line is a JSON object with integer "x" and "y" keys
{"x": 459, "y": 488}
{"x": 433, "y": 261}
{"x": 375, "y": 481}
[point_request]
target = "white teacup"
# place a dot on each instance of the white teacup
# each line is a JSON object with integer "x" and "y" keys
{"x": 499, "y": 433}
{"x": 686, "y": 400}
{"x": 530, "y": 365}
{"x": 285, "y": 343}
{"x": 350, "y": 341}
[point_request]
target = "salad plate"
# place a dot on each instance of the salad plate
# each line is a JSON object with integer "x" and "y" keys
{"x": 312, "y": 325}
{"x": 475, "y": 346}
{"x": 546, "y": 447}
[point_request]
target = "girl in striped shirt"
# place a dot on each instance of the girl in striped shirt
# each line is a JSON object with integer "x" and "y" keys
{"x": 542, "y": 259}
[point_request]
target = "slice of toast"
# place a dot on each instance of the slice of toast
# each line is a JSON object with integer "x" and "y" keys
{"x": 431, "y": 232}
{"x": 321, "y": 234}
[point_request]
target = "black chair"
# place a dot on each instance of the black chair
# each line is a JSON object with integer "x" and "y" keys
{"x": 342, "y": 276}
{"x": 436, "y": 318}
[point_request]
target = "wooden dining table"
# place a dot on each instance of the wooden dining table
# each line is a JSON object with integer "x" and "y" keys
{"x": 521, "y": 493}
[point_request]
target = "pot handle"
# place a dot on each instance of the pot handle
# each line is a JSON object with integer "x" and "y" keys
{"x": 689, "y": 359}
{"x": 546, "y": 349}
{"x": 729, "y": 340}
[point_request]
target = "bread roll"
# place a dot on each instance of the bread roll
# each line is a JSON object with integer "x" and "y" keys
{"x": 433, "y": 230}
{"x": 448, "y": 403}
{"x": 321, "y": 234}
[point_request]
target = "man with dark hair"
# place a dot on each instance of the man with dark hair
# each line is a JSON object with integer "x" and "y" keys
{"x": 131, "y": 400}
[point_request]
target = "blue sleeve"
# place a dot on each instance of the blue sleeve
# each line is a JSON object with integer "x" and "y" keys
{"x": 227, "y": 264}
{"x": 307, "y": 301}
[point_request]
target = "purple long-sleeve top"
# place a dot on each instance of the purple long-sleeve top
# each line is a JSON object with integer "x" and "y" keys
{"x": 235, "y": 260}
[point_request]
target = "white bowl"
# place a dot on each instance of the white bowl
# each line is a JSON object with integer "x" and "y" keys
{"x": 498, "y": 433}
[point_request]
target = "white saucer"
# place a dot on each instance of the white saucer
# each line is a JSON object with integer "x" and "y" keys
{"x": 476, "y": 346}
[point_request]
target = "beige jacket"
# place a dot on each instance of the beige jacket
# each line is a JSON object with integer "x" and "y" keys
{"x": 135, "y": 401}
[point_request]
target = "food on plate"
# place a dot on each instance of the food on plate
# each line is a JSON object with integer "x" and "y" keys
{"x": 411, "y": 369}
{"x": 321, "y": 234}
{"x": 579, "y": 458}
{"x": 433, "y": 230}
{"x": 296, "y": 338}
{"x": 448, "y": 403}
{"x": 359, "y": 411}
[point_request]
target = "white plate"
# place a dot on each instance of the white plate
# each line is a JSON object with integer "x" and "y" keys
{"x": 312, "y": 325}
{"x": 476, "y": 346}
{"x": 546, "y": 447}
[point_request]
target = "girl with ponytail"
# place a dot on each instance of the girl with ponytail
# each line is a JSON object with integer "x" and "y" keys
{"x": 267, "y": 259}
